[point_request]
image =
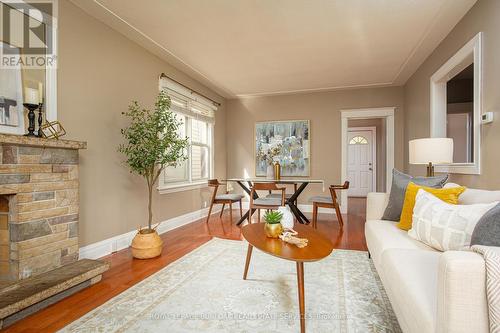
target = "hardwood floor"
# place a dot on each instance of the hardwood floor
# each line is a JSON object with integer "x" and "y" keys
{"x": 125, "y": 271}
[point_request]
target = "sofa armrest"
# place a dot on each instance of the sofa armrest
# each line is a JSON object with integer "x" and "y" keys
{"x": 462, "y": 304}
{"x": 375, "y": 205}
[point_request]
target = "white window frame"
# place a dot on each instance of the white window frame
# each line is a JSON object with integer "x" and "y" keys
{"x": 438, "y": 102}
{"x": 165, "y": 187}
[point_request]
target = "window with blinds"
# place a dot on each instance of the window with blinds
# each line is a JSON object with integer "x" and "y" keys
{"x": 197, "y": 115}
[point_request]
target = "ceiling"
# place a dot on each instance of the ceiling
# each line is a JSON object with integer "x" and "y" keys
{"x": 264, "y": 47}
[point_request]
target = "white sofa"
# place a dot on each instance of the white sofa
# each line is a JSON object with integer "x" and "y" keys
{"x": 430, "y": 291}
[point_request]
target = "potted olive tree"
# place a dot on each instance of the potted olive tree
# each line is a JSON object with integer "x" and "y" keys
{"x": 152, "y": 143}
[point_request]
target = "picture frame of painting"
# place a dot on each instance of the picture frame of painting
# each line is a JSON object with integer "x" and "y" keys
{"x": 11, "y": 100}
{"x": 292, "y": 139}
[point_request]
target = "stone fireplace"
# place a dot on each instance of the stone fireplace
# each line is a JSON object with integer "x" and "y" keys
{"x": 39, "y": 216}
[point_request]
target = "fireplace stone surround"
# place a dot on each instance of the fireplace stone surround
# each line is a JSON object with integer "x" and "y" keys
{"x": 39, "y": 216}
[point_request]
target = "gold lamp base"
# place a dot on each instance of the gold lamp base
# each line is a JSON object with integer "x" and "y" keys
{"x": 430, "y": 170}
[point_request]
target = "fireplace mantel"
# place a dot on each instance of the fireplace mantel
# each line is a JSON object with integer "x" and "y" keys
{"x": 39, "y": 177}
{"x": 21, "y": 140}
{"x": 39, "y": 217}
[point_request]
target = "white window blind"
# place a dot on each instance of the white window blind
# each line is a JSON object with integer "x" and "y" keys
{"x": 188, "y": 102}
{"x": 197, "y": 115}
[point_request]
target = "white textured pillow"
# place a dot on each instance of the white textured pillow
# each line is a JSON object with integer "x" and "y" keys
{"x": 444, "y": 226}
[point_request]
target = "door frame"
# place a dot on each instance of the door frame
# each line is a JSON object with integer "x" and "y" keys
{"x": 372, "y": 129}
{"x": 388, "y": 114}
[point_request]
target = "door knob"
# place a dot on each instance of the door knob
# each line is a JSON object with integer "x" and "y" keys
{"x": 370, "y": 169}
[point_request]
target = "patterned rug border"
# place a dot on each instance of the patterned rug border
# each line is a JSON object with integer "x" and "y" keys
{"x": 212, "y": 242}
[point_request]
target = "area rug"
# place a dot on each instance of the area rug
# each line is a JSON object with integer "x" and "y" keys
{"x": 204, "y": 292}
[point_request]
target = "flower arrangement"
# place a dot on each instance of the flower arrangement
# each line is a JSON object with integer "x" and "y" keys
{"x": 270, "y": 153}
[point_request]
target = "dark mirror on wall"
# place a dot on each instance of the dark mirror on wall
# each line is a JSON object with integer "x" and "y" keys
{"x": 460, "y": 114}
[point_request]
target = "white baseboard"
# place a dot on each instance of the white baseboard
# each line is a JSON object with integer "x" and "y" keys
{"x": 120, "y": 242}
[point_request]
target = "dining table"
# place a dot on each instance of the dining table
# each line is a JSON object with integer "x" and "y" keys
{"x": 247, "y": 182}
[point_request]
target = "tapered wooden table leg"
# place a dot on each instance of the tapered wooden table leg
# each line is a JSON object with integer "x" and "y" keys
{"x": 247, "y": 263}
{"x": 300, "y": 283}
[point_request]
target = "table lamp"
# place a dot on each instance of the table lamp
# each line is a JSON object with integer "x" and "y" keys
{"x": 431, "y": 151}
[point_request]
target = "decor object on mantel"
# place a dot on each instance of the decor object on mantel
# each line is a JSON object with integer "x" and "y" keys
{"x": 292, "y": 137}
{"x": 153, "y": 143}
{"x": 33, "y": 99}
{"x": 31, "y": 117}
{"x": 39, "y": 218}
{"x": 52, "y": 130}
{"x": 431, "y": 151}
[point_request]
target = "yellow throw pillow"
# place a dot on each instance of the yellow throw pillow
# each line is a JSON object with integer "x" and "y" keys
{"x": 449, "y": 195}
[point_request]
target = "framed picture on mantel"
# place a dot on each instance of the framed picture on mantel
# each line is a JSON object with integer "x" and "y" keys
{"x": 11, "y": 100}
{"x": 288, "y": 143}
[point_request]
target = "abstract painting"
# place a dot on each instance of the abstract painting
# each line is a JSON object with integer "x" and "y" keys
{"x": 291, "y": 138}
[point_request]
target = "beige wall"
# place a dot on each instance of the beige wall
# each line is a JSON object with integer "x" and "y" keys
{"x": 482, "y": 17}
{"x": 323, "y": 111}
{"x": 379, "y": 124}
{"x": 100, "y": 72}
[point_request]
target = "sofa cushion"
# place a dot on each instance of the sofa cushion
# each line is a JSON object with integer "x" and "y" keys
{"x": 449, "y": 195}
{"x": 382, "y": 235}
{"x": 411, "y": 282}
{"x": 398, "y": 188}
{"x": 444, "y": 226}
{"x": 474, "y": 196}
{"x": 487, "y": 230}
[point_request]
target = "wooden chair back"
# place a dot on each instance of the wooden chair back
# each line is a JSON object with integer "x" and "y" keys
{"x": 333, "y": 193}
{"x": 215, "y": 184}
{"x": 267, "y": 187}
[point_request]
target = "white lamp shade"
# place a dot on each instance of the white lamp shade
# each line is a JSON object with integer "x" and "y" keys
{"x": 434, "y": 150}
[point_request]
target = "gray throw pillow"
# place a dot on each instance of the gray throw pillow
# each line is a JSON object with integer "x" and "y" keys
{"x": 398, "y": 189}
{"x": 487, "y": 230}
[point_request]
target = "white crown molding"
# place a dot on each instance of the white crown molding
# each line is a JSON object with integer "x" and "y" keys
{"x": 315, "y": 90}
{"x": 99, "y": 11}
{"x": 450, "y": 12}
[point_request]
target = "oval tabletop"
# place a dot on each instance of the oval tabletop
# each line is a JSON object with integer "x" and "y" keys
{"x": 317, "y": 248}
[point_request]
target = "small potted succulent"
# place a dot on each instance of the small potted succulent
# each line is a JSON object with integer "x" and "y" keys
{"x": 273, "y": 227}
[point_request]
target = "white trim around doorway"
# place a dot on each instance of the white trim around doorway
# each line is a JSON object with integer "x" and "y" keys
{"x": 388, "y": 114}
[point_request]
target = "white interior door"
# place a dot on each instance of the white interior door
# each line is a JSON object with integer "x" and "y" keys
{"x": 361, "y": 162}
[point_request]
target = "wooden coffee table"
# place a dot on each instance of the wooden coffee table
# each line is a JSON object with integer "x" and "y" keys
{"x": 318, "y": 248}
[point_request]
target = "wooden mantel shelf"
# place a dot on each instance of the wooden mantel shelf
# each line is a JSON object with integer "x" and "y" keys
{"x": 22, "y": 140}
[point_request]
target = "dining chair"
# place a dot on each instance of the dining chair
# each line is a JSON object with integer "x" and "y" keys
{"x": 227, "y": 198}
{"x": 287, "y": 195}
{"x": 328, "y": 202}
{"x": 268, "y": 203}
